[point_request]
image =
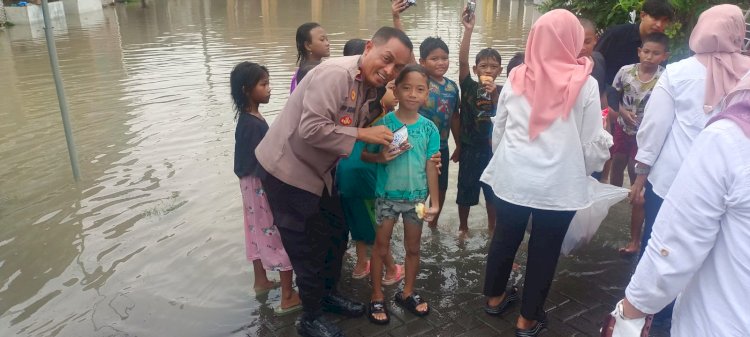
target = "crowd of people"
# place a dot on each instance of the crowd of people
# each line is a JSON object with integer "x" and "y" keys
{"x": 362, "y": 141}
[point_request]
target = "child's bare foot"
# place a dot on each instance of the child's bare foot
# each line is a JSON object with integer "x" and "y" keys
{"x": 463, "y": 233}
{"x": 264, "y": 286}
{"x": 630, "y": 249}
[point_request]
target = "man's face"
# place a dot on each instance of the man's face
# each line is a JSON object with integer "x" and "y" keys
{"x": 650, "y": 24}
{"x": 381, "y": 62}
{"x": 589, "y": 41}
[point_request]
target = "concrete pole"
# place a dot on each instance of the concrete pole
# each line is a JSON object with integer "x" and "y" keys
{"x": 2, "y": 14}
{"x": 60, "y": 90}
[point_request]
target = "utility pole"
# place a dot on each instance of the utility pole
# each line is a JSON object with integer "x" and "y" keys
{"x": 60, "y": 91}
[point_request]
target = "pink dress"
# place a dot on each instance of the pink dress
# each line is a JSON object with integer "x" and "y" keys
{"x": 262, "y": 239}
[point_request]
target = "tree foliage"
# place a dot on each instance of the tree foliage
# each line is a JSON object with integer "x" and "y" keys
{"x": 605, "y": 13}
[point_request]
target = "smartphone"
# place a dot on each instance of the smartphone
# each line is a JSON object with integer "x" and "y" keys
{"x": 471, "y": 6}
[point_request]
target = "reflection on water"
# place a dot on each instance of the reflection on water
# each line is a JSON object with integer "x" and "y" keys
{"x": 150, "y": 242}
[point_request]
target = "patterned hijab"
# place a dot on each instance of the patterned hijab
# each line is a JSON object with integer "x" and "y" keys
{"x": 737, "y": 106}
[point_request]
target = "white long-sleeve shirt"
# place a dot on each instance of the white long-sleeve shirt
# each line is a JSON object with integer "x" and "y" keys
{"x": 674, "y": 117}
{"x": 699, "y": 247}
{"x": 551, "y": 171}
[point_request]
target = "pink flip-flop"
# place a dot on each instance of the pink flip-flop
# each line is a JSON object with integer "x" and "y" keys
{"x": 399, "y": 276}
{"x": 359, "y": 276}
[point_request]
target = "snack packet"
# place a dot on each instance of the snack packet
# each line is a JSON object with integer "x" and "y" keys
{"x": 400, "y": 137}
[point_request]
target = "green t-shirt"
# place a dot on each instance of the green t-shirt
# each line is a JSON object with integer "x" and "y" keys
{"x": 356, "y": 178}
{"x": 405, "y": 177}
{"x": 476, "y": 113}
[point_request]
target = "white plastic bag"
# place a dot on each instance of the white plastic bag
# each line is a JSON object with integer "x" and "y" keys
{"x": 587, "y": 221}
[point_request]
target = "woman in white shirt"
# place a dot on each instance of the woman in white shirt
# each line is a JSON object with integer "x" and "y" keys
{"x": 699, "y": 246}
{"x": 548, "y": 138}
{"x": 683, "y": 101}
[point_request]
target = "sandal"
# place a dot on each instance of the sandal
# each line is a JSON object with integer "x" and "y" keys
{"x": 536, "y": 330}
{"x": 279, "y": 311}
{"x": 411, "y": 303}
{"x": 378, "y": 307}
{"x": 359, "y": 276}
{"x": 511, "y": 295}
{"x": 396, "y": 279}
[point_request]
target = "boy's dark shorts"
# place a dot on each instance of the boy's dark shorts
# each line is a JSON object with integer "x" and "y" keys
{"x": 445, "y": 159}
{"x": 472, "y": 162}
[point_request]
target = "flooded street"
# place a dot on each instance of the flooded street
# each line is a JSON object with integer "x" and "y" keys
{"x": 150, "y": 241}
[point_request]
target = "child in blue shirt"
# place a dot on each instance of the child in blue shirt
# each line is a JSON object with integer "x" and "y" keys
{"x": 405, "y": 177}
{"x": 442, "y": 104}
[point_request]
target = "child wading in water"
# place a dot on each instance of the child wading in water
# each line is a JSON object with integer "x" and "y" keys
{"x": 405, "y": 177}
{"x": 312, "y": 47}
{"x": 474, "y": 137}
{"x": 250, "y": 87}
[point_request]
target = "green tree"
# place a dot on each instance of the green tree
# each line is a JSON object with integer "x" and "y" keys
{"x": 606, "y": 13}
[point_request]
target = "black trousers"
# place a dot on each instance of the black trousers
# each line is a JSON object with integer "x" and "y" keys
{"x": 314, "y": 236}
{"x": 547, "y": 234}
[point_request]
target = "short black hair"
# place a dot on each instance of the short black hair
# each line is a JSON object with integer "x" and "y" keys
{"x": 659, "y": 38}
{"x": 410, "y": 69}
{"x": 431, "y": 43}
{"x": 488, "y": 53}
{"x": 245, "y": 75}
{"x": 354, "y": 47}
{"x": 385, "y": 34}
{"x": 515, "y": 61}
{"x": 658, "y": 9}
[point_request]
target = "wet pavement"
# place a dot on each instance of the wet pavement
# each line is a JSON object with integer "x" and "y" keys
{"x": 587, "y": 285}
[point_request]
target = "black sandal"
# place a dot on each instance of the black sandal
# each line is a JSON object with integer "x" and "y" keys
{"x": 536, "y": 330}
{"x": 511, "y": 295}
{"x": 378, "y": 307}
{"x": 411, "y": 303}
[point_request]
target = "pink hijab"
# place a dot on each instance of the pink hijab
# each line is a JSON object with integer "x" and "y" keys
{"x": 717, "y": 41}
{"x": 552, "y": 74}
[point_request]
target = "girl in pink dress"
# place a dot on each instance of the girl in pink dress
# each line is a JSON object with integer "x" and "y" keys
{"x": 250, "y": 87}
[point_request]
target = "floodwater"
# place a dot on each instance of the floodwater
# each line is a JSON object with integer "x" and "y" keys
{"x": 150, "y": 241}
